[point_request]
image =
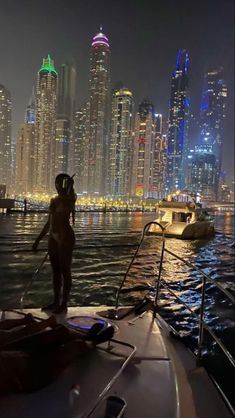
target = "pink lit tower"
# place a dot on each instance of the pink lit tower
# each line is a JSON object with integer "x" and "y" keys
{"x": 99, "y": 114}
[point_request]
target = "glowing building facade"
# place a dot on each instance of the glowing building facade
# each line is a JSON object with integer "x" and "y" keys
{"x": 45, "y": 128}
{"x": 25, "y": 151}
{"x": 120, "y": 154}
{"x": 202, "y": 172}
{"x": 143, "y": 151}
{"x": 5, "y": 138}
{"x": 62, "y": 139}
{"x": 98, "y": 117}
{"x": 66, "y": 109}
{"x": 81, "y": 148}
{"x": 159, "y": 159}
{"x": 212, "y": 117}
{"x": 177, "y": 137}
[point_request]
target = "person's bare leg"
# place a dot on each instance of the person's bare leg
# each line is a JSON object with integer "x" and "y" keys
{"x": 65, "y": 264}
{"x": 56, "y": 274}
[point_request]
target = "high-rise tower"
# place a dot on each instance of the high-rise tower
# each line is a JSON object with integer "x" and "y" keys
{"x": 144, "y": 144}
{"x": 178, "y": 123}
{"x": 202, "y": 171}
{"x": 98, "y": 118}
{"x": 65, "y": 114}
{"x": 67, "y": 90}
{"x": 5, "y": 137}
{"x": 159, "y": 159}
{"x": 80, "y": 147}
{"x": 45, "y": 127}
{"x": 212, "y": 116}
{"x": 121, "y": 143}
{"x": 25, "y": 148}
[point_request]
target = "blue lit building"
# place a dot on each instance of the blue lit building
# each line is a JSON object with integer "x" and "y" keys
{"x": 178, "y": 124}
{"x": 212, "y": 116}
{"x": 202, "y": 172}
{"x": 30, "y": 114}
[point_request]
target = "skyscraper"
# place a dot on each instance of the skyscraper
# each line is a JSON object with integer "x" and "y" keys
{"x": 67, "y": 90}
{"x": 65, "y": 113}
{"x": 202, "y": 172}
{"x": 178, "y": 123}
{"x": 45, "y": 127}
{"x": 25, "y": 148}
{"x": 159, "y": 159}
{"x": 80, "y": 147}
{"x": 212, "y": 116}
{"x": 98, "y": 118}
{"x": 143, "y": 150}
{"x": 62, "y": 138}
{"x": 121, "y": 143}
{"x": 5, "y": 137}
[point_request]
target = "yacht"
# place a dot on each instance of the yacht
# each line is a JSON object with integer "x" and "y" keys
{"x": 180, "y": 216}
{"x": 143, "y": 371}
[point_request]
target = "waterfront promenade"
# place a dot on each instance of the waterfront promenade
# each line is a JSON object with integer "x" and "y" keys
{"x": 100, "y": 205}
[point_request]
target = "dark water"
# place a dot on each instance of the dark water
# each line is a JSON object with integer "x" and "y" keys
{"x": 105, "y": 244}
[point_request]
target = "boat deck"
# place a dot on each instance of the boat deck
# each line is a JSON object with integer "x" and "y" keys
{"x": 152, "y": 384}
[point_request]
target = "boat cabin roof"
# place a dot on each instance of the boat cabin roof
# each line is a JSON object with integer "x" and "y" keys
{"x": 177, "y": 206}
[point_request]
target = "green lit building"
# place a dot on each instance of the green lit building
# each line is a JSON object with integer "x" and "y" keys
{"x": 45, "y": 128}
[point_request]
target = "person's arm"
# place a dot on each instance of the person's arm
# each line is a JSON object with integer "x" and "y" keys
{"x": 73, "y": 210}
{"x": 42, "y": 234}
{"x": 73, "y": 216}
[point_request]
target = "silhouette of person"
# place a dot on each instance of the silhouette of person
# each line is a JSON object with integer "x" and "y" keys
{"x": 61, "y": 241}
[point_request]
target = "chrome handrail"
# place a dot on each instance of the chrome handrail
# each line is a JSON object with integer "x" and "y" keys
{"x": 134, "y": 256}
{"x": 226, "y": 292}
{"x": 202, "y": 324}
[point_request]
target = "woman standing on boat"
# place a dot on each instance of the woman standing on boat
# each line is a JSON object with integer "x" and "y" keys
{"x": 61, "y": 240}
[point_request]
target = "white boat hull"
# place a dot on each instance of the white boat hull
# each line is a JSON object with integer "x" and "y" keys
{"x": 183, "y": 230}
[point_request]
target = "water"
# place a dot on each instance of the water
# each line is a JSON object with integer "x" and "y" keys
{"x": 105, "y": 244}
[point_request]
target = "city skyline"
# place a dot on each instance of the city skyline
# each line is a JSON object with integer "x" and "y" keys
{"x": 158, "y": 96}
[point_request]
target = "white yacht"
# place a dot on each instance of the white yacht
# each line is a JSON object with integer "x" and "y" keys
{"x": 181, "y": 217}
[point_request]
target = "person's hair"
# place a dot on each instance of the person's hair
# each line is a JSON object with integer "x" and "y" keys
{"x": 64, "y": 185}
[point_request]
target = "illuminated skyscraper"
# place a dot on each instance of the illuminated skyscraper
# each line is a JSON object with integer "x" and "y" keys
{"x": 5, "y": 137}
{"x": 62, "y": 139}
{"x": 80, "y": 152}
{"x": 65, "y": 112}
{"x": 212, "y": 116}
{"x": 202, "y": 172}
{"x": 98, "y": 119}
{"x": 178, "y": 124}
{"x": 121, "y": 143}
{"x": 159, "y": 159}
{"x": 45, "y": 127}
{"x": 67, "y": 90}
{"x": 25, "y": 146}
{"x": 143, "y": 151}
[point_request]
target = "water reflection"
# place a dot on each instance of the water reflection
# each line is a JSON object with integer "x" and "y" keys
{"x": 105, "y": 244}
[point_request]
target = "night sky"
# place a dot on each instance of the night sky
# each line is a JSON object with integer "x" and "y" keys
{"x": 144, "y": 37}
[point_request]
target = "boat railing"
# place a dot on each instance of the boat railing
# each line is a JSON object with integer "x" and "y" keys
{"x": 146, "y": 228}
{"x": 202, "y": 325}
{"x": 161, "y": 283}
